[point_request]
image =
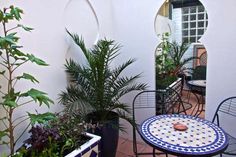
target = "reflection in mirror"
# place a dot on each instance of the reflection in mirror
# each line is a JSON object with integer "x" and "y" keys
{"x": 179, "y": 24}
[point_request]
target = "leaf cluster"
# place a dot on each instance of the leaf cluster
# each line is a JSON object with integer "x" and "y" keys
{"x": 97, "y": 86}
{"x": 13, "y": 57}
{"x": 170, "y": 61}
{"x": 60, "y": 136}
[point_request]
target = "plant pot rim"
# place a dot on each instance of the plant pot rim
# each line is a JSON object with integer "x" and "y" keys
{"x": 90, "y": 143}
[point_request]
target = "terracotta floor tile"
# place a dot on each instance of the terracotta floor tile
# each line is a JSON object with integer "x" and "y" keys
{"x": 119, "y": 154}
{"x": 127, "y": 148}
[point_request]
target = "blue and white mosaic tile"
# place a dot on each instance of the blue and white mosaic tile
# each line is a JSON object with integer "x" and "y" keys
{"x": 201, "y": 137}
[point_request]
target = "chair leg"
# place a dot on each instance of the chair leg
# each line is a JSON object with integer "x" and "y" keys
{"x": 166, "y": 155}
{"x": 188, "y": 96}
{"x": 135, "y": 144}
{"x": 153, "y": 152}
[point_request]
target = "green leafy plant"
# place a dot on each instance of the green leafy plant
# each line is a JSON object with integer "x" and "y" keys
{"x": 59, "y": 137}
{"x": 170, "y": 61}
{"x": 12, "y": 58}
{"x": 96, "y": 86}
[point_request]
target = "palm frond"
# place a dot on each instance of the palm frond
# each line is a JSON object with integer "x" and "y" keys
{"x": 75, "y": 99}
{"x": 96, "y": 86}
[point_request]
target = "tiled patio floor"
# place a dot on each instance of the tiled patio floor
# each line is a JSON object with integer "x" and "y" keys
{"x": 125, "y": 146}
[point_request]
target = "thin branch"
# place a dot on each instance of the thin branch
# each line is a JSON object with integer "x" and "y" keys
{"x": 4, "y": 123}
{"x": 14, "y": 83}
{"x": 2, "y": 92}
{"x": 4, "y": 65}
{"x": 25, "y": 103}
{"x": 5, "y": 77}
{"x": 12, "y": 29}
{"x": 3, "y": 58}
{"x": 22, "y": 134}
{"x": 5, "y": 109}
{"x": 19, "y": 65}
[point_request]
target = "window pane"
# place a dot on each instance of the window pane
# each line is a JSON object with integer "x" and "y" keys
{"x": 185, "y": 10}
{"x": 193, "y": 17}
{"x": 193, "y": 32}
{"x": 185, "y": 25}
{"x": 193, "y": 25}
{"x": 200, "y": 16}
{"x": 201, "y": 24}
{"x": 185, "y": 18}
{"x": 192, "y": 39}
{"x": 206, "y": 23}
{"x": 206, "y": 16}
{"x": 193, "y": 9}
{"x": 198, "y": 37}
{"x": 185, "y": 39}
{"x": 185, "y": 33}
{"x": 200, "y": 31}
{"x": 200, "y": 8}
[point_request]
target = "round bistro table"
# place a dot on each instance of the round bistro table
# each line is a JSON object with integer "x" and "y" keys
{"x": 202, "y": 138}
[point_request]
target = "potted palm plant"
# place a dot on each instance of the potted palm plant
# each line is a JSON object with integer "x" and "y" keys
{"x": 96, "y": 87}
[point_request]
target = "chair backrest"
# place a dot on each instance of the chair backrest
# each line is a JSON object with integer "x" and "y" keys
{"x": 173, "y": 102}
{"x": 157, "y": 102}
{"x": 203, "y": 59}
{"x": 228, "y": 107}
{"x": 161, "y": 101}
{"x": 199, "y": 73}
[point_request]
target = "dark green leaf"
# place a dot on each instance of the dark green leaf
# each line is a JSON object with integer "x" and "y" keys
{"x": 10, "y": 98}
{"x": 36, "y": 60}
{"x": 41, "y": 118}
{"x": 38, "y": 96}
{"x": 2, "y": 72}
{"x": 7, "y": 16}
{"x": 2, "y": 134}
{"x": 16, "y": 52}
{"x": 6, "y": 40}
{"x": 12, "y": 36}
{"x": 10, "y": 103}
{"x": 25, "y": 28}
{"x": 1, "y": 16}
{"x": 28, "y": 77}
{"x": 16, "y": 12}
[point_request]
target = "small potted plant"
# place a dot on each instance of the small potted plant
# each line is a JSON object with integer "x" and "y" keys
{"x": 96, "y": 87}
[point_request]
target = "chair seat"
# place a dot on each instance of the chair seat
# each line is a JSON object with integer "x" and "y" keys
{"x": 231, "y": 149}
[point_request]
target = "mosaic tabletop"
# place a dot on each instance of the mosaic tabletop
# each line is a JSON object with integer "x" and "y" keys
{"x": 201, "y": 138}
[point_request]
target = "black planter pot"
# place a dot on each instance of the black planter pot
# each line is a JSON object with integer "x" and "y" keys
{"x": 109, "y": 132}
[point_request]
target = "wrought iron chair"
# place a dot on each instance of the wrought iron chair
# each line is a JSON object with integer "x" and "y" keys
{"x": 199, "y": 73}
{"x": 158, "y": 102}
{"x": 227, "y": 108}
{"x": 203, "y": 59}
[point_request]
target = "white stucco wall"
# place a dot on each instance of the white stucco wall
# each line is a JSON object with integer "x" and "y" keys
{"x": 131, "y": 23}
{"x": 219, "y": 40}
